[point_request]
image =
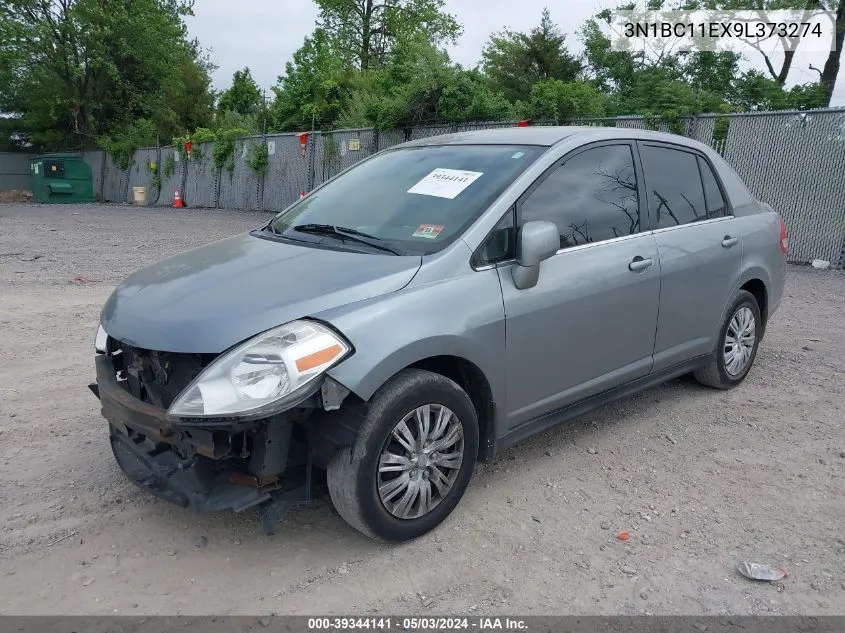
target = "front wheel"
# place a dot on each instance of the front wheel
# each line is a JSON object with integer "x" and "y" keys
{"x": 736, "y": 349}
{"x": 412, "y": 460}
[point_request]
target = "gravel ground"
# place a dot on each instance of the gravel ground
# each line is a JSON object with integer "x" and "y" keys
{"x": 700, "y": 479}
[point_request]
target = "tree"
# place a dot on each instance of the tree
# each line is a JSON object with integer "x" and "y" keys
{"x": 76, "y": 70}
{"x": 314, "y": 86}
{"x": 516, "y": 61}
{"x": 365, "y": 31}
{"x": 830, "y": 72}
{"x": 243, "y": 96}
{"x": 561, "y": 101}
{"x": 190, "y": 97}
{"x": 788, "y": 44}
{"x": 419, "y": 84}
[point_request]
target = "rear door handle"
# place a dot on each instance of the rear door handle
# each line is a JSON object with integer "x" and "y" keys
{"x": 730, "y": 242}
{"x": 640, "y": 264}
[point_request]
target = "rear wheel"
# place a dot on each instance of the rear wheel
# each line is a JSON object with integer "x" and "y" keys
{"x": 412, "y": 460}
{"x": 739, "y": 339}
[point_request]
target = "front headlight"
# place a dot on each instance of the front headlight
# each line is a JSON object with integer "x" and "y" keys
{"x": 101, "y": 340}
{"x": 254, "y": 377}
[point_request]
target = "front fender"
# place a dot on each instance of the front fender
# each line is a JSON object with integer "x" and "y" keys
{"x": 462, "y": 316}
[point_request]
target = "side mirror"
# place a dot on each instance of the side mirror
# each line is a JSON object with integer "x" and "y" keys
{"x": 538, "y": 241}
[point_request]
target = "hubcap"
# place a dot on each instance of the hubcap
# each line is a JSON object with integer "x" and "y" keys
{"x": 420, "y": 461}
{"x": 739, "y": 341}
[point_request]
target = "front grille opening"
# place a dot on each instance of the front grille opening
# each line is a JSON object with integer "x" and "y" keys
{"x": 155, "y": 377}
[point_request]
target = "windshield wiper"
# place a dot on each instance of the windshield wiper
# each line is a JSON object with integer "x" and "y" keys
{"x": 272, "y": 230}
{"x": 347, "y": 233}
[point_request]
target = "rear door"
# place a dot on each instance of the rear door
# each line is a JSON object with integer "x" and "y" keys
{"x": 589, "y": 323}
{"x": 700, "y": 248}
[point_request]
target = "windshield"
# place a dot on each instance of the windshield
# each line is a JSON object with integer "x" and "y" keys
{"x": 413, "y": 200}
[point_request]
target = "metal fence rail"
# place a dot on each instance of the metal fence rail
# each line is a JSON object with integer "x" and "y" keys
{"x": 793, "y": 160}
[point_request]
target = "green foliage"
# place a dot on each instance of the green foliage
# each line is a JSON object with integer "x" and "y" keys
{"x": 419, "y": 84}
{"x": 79, "y": 70}
{"x": 121, "y": 145}
{"x": 230, "y": 120}
{"x": 259, "y": 157}
{"x": 244, "y": 95}
{"x": 331, "y": 148}
{"x": 224, "y": 148}
{"x": 200, "y": 135}
{"x": 169, "y": 164}
{"x": 514, "y": 62}
{"x": 155, "y": 177}
{"x": 561, "y": 101}
{"x": 364, "y": 32}
{"x": 314, "y": 87}
{"x": 755, "y": 91}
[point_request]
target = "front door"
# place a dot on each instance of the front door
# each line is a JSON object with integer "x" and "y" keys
{"x": 589, "y": 323}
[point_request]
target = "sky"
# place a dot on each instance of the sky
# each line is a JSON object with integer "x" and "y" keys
{"x": 263, "y": 34}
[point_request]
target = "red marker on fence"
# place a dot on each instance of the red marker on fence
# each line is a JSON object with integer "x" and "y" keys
{"x": 301, "y": 195}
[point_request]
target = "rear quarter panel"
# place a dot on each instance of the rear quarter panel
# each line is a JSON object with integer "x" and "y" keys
{"x": 761, "y": 255}
{"x": 759, "y": 225}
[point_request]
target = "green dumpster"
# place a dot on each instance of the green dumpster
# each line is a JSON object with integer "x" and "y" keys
{"x": 61, "y": 178}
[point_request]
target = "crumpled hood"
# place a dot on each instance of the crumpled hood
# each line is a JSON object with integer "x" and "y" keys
{"x": 210, "y": 298}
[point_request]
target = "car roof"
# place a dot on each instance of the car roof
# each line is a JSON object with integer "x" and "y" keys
{"x": 547, "y": 136}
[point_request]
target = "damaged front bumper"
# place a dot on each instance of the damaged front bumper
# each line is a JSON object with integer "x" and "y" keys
{"x": 209, "y": 466}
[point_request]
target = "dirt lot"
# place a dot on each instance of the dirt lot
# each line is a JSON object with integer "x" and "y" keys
{"x": 701, "y": 479}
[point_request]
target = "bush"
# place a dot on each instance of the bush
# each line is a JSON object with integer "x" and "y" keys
{"x": 122, "y": 144}
{"x": 259, "y": 158}
{"x": 224, "y": 148}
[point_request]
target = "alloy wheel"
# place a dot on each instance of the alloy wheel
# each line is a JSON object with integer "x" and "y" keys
{"x": 420, "y": 461}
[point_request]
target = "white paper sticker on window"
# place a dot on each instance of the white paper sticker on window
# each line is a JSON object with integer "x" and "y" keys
{"x": 445, "y": 183}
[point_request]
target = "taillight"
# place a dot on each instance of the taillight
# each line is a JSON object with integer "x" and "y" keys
{"x": 784, "y": 238}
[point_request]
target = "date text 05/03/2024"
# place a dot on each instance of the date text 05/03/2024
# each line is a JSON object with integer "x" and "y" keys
{"x": 417, "y": 624}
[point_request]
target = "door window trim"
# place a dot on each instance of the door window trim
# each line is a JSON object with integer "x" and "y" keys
{"x": 729, "y": 212}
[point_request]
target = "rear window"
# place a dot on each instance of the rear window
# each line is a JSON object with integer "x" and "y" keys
{"x": 417, "y": 200}
{"x": 673, "y": 182}
{"x": 716, "y": 207}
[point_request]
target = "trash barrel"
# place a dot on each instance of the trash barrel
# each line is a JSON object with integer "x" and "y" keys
{"x": 61, "y": 178}
{"x": 139, "y": 196}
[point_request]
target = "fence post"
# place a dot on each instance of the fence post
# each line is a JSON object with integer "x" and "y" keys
{"x": 158, "y": 172}
{"x": 312, "y": 141}
{"x": 183, "y": 179}
{"x": 127, "y": 176}
{"x": 218, "y": 178}
{"x": 375, "y": 140}
{"x": 102, "y": 186}
{"x": 263, "y": 174}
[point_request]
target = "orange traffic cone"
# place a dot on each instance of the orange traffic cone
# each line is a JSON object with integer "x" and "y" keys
{"x": 177, "y": 201}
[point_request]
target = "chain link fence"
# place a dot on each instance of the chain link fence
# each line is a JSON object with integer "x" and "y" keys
{"x": 792, "y": 160}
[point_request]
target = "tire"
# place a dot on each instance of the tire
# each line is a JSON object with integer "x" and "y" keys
{"x": 718, "y": 372}
{"x": 354, "y": 471}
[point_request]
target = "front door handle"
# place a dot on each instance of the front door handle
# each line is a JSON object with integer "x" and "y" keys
{"x": 730, "y": 242}
{"x": 639, "y": 264}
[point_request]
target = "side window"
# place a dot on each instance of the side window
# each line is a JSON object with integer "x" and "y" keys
{"x": 591, "y": 197}
{"x": 500, "y": 245}
{"x": 675, "y": 193}
{"x": 716, "y": 207}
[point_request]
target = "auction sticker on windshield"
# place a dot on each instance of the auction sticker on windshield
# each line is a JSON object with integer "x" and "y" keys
{"x": 445, "y": 183}
{"x": 430, "y": 231}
